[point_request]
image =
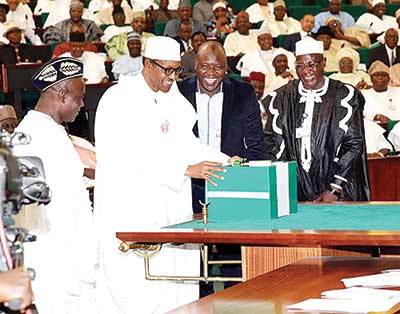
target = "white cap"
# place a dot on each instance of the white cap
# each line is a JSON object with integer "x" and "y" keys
{"x": 162, "y": 48}
{"x": 280, "y": 51}
{"x": 218, "y": 4}
{"x": 265, "y": 29}
{"x": 375, "y": 2}
{"x": 308, "y": 46}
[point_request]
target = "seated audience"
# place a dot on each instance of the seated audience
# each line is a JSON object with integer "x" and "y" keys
{"x": 117, "y": 45}
{"x": 257, "y": 80}
{"x": 389, "y": 53}
{"x": 352, "y": 37}
{"x": 184, "y": 36}
{"x": 118, "y": 27}
{"x": 21, "y": 15}
{"x": 8, "y": 118}
{"x": 375, "y": 21}
{"x": 3, "y": 23}
{"x": 94, "y": 70}
{"x": 259, "y": 60}
{"x": 242, "y": 40}
{"x": 189, "y": 57}
{"x": 220, "y": 25}
{"x": 280, "y": 23}
{"x": 259, "y": 11}
{"x": 334, "y": 10}
{"x": 162, "y": 14}
{"x": 324, "y": 34}
{"x": 382, "y": 102}
{"x": 282, "y": 74}
{"x": 306, "y": 24}
{"x": 98, "y": 5}
{"x": 203, "y": 10}
{"x": 15, "y": 51}
{"x": 60, "y": 32}
{"x": 60, "y": 12}
{"x": 377, "y": 144}
{"x": 132, "y": 63}
{"x": 349, "y": 60}
{"x": 184, "y": 14}
{"x": 104, "y": 16}
{"x": 394, "y": 137}
{"x": 66, "y": 46}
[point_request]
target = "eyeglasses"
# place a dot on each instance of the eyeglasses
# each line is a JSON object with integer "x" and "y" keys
{"x": 312, "y": 65}
{"x": 168, "y": 71}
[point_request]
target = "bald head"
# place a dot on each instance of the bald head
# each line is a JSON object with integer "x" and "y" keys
{"x": 210, "y": 67}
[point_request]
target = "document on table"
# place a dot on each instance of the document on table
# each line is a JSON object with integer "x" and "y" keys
{"x": 352, "y": 300}
{"x": 387, "y": 279}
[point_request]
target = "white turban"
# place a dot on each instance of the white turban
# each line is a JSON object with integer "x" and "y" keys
{"x": 349, "y": 53}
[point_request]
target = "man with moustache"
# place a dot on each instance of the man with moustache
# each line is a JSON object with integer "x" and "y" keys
{"x": 227, "y": 110}
{"x": 318, "y": 122}
{"x": 64, "y": 226}
{"x": 147, "y": 185}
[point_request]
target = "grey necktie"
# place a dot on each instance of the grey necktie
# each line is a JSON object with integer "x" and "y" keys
{"x": 392, "y": 60}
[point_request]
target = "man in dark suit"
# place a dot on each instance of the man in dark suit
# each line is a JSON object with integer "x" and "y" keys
{"x": 228, "y": 113}
{"x": 389, "y": 53}
{"x": 229, "y": 120}
{"x": 307, "y": 24}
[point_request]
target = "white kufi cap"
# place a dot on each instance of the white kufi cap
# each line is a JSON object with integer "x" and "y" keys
{"x": 375, "y": 2}
{"x": 308, "y": 46}
{"x": 218, "y": 4}
{"x": 162, "y": 48}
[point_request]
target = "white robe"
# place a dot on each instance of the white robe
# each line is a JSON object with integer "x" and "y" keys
{"x": 64, "y": 254}
{"x": 257, "y": 14}
{"x": 373, "y": 24}
{"x": 141, "y": 185}
{"x": 289, "y": 25}
{"x": 374, "y": 138}
{"x": 236, "y": 43}
{"x": 394, "y": 136}
{"x": 23, "y": 18}
{"x": 386, "y": 103}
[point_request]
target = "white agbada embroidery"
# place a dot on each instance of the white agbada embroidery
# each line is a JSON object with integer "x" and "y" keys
{"x": 310, "y": 97}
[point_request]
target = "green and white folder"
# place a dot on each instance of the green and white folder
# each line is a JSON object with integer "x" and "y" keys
{"x": 262, "y": 191}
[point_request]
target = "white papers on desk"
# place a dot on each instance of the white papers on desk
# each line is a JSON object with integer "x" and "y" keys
{"x": 348, "y": 306}
{"x": 389, "y": 279}
{"x": 352, "y": 300}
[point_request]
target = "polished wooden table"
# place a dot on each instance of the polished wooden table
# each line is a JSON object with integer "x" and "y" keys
{"x": 273, "y": 291}
{"x": 273, "y": 246}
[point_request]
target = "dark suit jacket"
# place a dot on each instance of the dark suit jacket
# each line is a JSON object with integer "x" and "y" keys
{"x": 26, "y": 52}
{"x": 380, "y": 53}
{"x": 180, "y": 41}
{"x": 290, "y": 41}
{"x": 241, "y": 130}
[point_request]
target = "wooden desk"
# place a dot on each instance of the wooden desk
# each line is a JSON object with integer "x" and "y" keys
{"x": 384, "y": 176}
{"x": 266, "y": 249}
{"x": 273, "y": 291}
{"x": 15, "y": 78}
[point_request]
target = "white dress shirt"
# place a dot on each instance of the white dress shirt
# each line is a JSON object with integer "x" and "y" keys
{"x": 209, "y": 115}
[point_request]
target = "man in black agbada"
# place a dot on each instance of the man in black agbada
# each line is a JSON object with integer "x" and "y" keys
{"x": 318, "y": 122}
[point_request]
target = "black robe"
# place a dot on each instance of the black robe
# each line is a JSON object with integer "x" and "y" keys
{"x": 338, "y": 156}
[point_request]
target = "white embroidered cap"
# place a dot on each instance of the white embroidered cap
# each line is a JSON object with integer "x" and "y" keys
{"x": 162, "y": 48}
{"x": 308, "y": 46}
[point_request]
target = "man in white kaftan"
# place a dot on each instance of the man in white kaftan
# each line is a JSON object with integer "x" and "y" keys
{"x": 63, "y": 255}
{"x": 146, "y": 185}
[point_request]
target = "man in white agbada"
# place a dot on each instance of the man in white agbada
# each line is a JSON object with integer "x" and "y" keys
{"x": 394, "y": 137}
{"x": 146, "y": 184}
{"x": 63, "y": 255}
{"x": 377, "y": 21}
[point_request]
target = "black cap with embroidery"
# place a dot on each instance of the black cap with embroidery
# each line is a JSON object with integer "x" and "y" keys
{"x": 57, "y": 70}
